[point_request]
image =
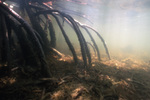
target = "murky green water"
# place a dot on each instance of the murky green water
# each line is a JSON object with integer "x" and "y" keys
{"x": 123, "y": 24}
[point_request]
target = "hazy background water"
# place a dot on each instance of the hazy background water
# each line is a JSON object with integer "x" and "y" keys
{"x": 125, "y": 25}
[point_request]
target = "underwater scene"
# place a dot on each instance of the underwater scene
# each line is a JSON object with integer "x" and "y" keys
{"x": 74, "y": 50}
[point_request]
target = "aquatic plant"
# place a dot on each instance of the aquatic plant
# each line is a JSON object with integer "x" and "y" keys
{"x": 32, "y": 41}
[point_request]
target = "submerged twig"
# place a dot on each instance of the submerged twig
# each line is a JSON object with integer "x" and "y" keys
{"x": 67, "y": 39}
{"x": 78, "y": 32}
{"x": 104, "y": 43}
{"x": 92, "y": 39}
{"x": 101, "y": 38}
{"x": 92, "y": 47}
{"x": 51, "y": 31}
{"x": 31, "y": 35}
{"x": 64, "y": 34}
{"x": 5, "y": 42}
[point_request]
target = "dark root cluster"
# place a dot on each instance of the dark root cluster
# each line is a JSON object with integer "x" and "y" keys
{"x": 31, "y": 43}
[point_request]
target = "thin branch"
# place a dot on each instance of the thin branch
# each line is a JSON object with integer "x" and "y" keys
{"x": 76, "y": 28}
{"x": 101, "y": 38}
{"x": 92, "y": 39}
{"x": 92, "y": 47}
{"x": 67, "y": 39}
{"x": 104, "y": 43}
{"x": 31, "y": 35}
{"x": 51, "y": 31}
